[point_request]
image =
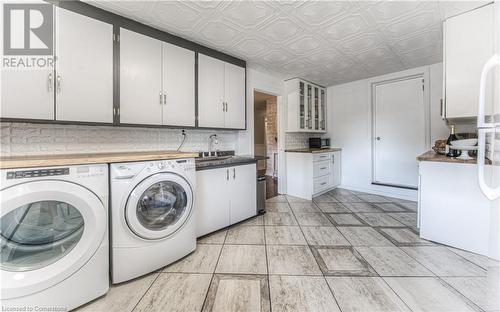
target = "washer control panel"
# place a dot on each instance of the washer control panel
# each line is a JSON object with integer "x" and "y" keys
{"x": 186, "y": 164}
{"x": 23, "y": 174}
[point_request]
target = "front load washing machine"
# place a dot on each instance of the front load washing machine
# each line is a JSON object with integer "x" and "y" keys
{"x": 54, "y": 237}
{"x": 152, "y": 215}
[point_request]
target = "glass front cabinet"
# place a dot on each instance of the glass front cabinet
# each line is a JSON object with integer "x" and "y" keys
{"x": 306, "y": 106}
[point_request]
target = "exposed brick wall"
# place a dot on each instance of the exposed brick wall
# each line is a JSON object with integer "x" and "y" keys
{"x": 32, "y": 139}
{"x": 271, "y": 134}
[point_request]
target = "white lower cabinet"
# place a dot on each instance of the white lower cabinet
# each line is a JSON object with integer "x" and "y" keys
{"x": 225, "y": 196}
{"x": 311, "y": 174}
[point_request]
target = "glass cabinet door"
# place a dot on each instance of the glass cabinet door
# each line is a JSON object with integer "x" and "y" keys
{"x": 323, "y": 110}
{"x": 316, "y": 108}
{"x": 309, "y": 106}
{"x": 302, "y": 110}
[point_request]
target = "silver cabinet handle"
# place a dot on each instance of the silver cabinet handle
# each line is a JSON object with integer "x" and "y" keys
{"x": 223, "y": 106}
{"x": 333, "y": 158}
{"x": 226, "y": 106}
{"x": 323, "y": 183}
{"x": 227, "y": 174}
{"x": 164, "y": 99}
{"x": 58, "y": 83}
{"x": 161, "y": 98}
{"x": 323, "y": 168}
{"x": 50, "y": 83}
{"x": 234, "y": 173}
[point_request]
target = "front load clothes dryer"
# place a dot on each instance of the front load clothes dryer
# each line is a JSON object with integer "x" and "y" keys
{"x": 54, "y": 237}
{"x": 152, "y": 215}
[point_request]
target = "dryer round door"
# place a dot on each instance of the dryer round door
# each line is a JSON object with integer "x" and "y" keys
{"x": 48, "y": 231}
{"x": 159, "y": 206}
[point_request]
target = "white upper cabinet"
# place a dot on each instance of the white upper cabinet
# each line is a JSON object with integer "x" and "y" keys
{"x": 178, "y": 86}
{"x": 16, "y": 102}
{"x": 84, "y": 76}
{"x": 235, "y": 96}
{"x": 468, "y": 44}
{"x": 141, "y": 97}
{"x": 221, "y": 94}
{"x": 211, "y": 105}
{"x": 306, "y": 106}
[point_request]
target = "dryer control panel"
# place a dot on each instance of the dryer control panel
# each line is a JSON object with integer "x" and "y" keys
{"x": 23, "y": 174}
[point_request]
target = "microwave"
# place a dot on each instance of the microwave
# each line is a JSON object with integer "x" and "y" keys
{"x": 319, "y": 143}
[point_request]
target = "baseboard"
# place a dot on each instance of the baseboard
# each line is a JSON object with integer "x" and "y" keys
{"x": 382, "y": 193}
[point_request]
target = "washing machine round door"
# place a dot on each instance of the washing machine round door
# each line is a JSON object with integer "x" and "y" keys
{"x": 159, "y": 206}
{"x": 48, "y": 231}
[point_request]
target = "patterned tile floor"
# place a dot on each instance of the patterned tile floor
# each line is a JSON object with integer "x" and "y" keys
{"x": 343, "y": 251}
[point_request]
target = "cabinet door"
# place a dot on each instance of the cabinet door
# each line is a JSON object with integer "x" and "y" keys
{"x": 210, "y": 92}
{"x": 140, "y": 79}
{"x": 316, "y": 108}
{"x": 211, "y": 200}
{"x": 309, "y": 107}
{"x": 243, "y": 192}
{"x": 322, "y": 113}
{"x": 235, "y": 96}
{"x": 178, "y": 86}
{"x": 27, "y": 94}
{"x": 469, "y": 43}
{"x": 335, "y": 175}
{"x": 84, "y": 68}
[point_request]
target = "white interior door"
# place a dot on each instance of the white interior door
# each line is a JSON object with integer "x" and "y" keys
{"x": 235, "y": 96}
{"x": 141, "y": 95}
{"x": 178, "y": 86}
{"x": 210, "y": 92}
{"x": 399, "y": 131}
{"x": 84, "y": 68}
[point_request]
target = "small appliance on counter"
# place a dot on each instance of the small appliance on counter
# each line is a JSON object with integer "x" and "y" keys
{"x": 319, "y": 143}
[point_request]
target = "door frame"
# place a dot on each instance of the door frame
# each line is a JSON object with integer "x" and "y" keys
{"x": 424, "y": 74}
{"x": 280, "y": 126}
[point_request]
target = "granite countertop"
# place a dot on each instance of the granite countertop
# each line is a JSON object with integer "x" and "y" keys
{"x": 230, "y": 161}
{"x": 433, "y": 156}
{"x": 85, "y": 159}
{"x": 314, "y": 150}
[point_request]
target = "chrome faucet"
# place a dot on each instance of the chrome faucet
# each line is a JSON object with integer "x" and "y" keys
{"x": 211, "y": 139}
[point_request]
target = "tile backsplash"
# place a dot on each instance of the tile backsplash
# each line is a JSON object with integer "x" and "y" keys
{"x": 295, "y": 140}
{"x": 33, "y": 139}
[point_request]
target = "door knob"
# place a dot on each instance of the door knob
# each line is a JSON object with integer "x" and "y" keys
{"x": 378, "y": 138}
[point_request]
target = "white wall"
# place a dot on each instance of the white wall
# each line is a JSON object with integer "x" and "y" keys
{"x": 349, "y": 126}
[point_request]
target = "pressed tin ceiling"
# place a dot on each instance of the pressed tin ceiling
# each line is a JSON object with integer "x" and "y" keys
{"x": 328, "y": 42}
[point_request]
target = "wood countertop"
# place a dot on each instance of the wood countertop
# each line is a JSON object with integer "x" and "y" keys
{"x": 314, "y": 150}
{"x": 433, "y": 156}
{"x": 85, "y": 159}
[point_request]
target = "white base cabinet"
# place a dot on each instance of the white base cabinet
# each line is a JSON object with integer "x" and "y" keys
{"x": 311, "y": 174}
{"x": 225, "y": 196}
{"x": 452, "y": 209}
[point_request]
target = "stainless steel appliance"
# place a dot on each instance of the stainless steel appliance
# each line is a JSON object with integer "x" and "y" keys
{"x": 319, "y": 142}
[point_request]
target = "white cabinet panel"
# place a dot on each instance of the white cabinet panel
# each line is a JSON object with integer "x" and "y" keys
{"x": 335, "y": 177}
{"x": 84, "y": 82}
{"x": 243, "y": 192}
{"x": 469, "y": 43}
{"x": 212, "y": 201}
{"x": 235, "y": 96}
{"x": 140, "y": 79}
{"x": 178, "y": 86}
{"x": 210, "y": 92}
{"x": 306, "y": 106}
{"x": 37, "y": 103}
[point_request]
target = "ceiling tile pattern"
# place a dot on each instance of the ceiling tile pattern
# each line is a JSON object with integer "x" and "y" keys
{"x": 329, "y": 42}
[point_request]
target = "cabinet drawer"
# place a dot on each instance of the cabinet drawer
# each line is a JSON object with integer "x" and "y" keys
{"x": 321, "y": 183}
{"x": 321, "y": 157}
{"x": 321, "y": 168}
